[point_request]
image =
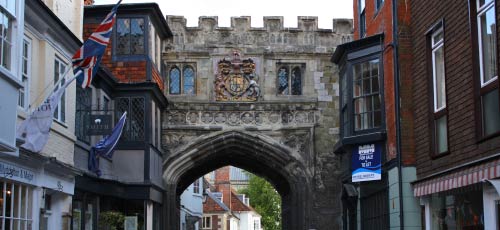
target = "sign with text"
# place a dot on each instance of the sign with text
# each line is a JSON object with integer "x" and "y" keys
{"x": 14, "y": 172}
{"x": 99, "y": 125}
{"x": 366, "y": 165}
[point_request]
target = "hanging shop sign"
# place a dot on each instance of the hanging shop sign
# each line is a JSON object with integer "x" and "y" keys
{"x": 366, "y": 164}
{"x": 99, "y": 125}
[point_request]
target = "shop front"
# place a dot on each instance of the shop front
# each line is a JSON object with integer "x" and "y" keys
{"x": 464, "y": 198}
{"x": 35, "y": 193}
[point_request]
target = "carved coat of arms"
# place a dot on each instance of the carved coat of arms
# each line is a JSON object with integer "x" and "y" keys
{"x": 236, "y": 80}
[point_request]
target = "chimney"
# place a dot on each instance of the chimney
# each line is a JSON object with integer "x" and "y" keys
{"x": 89, "y": 2}
{"x": 223, "y": 184}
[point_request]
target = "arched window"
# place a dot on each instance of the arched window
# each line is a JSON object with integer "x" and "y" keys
{"x": 188, "y": 83}
{"x": 283, "y": 81}
{"x": 290, "y": 79}
{"x": 174, "y": 81}
{"x": 182, "y": 79}
{"x": 296, "y": 81}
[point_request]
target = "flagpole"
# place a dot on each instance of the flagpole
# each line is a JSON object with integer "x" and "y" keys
{"x": 31, "y": 109}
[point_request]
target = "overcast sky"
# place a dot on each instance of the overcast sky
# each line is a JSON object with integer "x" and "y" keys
{"x": 325, "y": 10}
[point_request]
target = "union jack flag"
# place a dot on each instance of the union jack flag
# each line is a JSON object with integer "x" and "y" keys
{"x": 87, "y": 59}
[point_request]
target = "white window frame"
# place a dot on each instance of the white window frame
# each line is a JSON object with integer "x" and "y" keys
{"x": 196, "y": 186}
{"x": 28, "y": 205}
{"x": 25, "y": 77}
{"x": 481, "y": 10}
{"x": 204, "y": 222}
{"x": 58, "y": 116}
{"x": 436, "y": 45}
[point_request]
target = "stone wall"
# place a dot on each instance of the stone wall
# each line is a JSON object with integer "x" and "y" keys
{"x": 306, "y": 124}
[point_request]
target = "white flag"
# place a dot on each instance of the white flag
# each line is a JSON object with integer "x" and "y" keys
{"x": 35, "y": 129}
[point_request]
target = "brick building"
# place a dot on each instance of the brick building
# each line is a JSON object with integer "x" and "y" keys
{"x": 225, "y": 209}
{"x": 456, "y": 106}
{"x": 376, "y": 119}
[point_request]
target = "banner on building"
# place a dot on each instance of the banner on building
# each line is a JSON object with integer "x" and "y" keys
{"x": 366, "y": 163}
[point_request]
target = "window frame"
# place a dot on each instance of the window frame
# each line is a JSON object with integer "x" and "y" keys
{"x": 352, "y": 58}
{"x": 27, "y": 201}
{"x": 378, "y": 5}
{"x": 205, "y": 220}
{"x": 131, "y": 57}
{"x": 196, "y": 186}
{"x": 60, "y": 112}
{"x": 362, "y": 18}
{"x": 182, "y": 67}
{"x": 480, "y": 89}
{"x": 290, "y": 67}
{"x": 24, "y": 96}
{"x": 437, "y": 113}
{"x": 352, "y": 98}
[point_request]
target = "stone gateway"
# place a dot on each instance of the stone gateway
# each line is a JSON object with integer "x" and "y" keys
{"x": 262, "y": 99}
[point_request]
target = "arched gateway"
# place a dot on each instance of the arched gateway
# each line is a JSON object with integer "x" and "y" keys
{"x": 254, "y": 152}
{"x": 262, "y": 99}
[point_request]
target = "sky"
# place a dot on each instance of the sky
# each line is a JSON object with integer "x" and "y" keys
{"x": 325, "y": 10}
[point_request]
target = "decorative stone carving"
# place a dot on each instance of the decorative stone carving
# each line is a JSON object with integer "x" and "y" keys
{"x": 236, "y": 80}
{"x": 233, "y": 118}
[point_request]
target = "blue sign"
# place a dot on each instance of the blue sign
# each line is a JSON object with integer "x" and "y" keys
{"x": 365, "y": 163}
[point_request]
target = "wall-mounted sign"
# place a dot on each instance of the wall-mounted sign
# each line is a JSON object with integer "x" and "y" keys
{"x": 14, "y": 172}
{"x": 366, "y": 165}
{"x": 99, "y": 125}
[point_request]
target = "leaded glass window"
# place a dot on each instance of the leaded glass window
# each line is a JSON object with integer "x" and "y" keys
{"x": 290, "y": 79}
{"x": 130, "y": 36}
{"x": 296, "y": 81}
{"x": 182, "y": 82}
{"x": 188, "y": 80}
{"x": 134, "y": 129}
{"x": 283, "y": 81}
{"x": 175, "y": 81}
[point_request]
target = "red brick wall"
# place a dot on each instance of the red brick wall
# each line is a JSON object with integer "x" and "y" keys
{"x": 223, "y": 184}
{"x": 463, "y": 144}
{"x": 381, "y": 22}
{"x": 125, "y": 72}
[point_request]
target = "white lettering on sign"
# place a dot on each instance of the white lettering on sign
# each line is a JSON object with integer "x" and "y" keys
{"x": 17, "y": 173}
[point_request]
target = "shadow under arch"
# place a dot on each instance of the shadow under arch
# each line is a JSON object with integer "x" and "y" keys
{"x": 255, "y": 153}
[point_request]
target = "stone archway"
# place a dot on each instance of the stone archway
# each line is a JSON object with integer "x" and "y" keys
{"x": 253, "y": 152}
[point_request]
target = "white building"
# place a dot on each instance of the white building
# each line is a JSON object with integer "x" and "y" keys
{"x": 192, "y": 206}
{"x": 36, "y": 188}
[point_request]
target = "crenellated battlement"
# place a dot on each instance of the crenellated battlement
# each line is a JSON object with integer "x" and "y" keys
{"x": 273, "y": 36}
{"x": 271, "y": 24}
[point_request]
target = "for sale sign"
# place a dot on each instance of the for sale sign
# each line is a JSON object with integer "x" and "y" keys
{"x": 366, "y": 164}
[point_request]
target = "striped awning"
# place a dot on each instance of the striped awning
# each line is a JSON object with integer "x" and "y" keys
{"x": 457, "y": 179}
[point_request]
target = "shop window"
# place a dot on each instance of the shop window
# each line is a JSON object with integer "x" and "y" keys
{"x": 59, "y": 80}
{"x": 290, "y": 79}
{"x": 15, "y": 206}
{"x": 439, "y": 111}
{"x": 484, "y": 18}
{"x": 182, "y": 79}
{"x": 374, "y": 198}
{"x": 206, "y": 222}
{"x": 463, "y": 210}
{"x": 366, "y": 95}
{"x": 130, "y": 38}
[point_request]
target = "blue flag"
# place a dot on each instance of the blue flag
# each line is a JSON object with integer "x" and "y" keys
{"x": 106, "y": 146}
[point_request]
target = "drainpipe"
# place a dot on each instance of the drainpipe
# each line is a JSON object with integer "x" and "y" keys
{"x": 397, "y": 109}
